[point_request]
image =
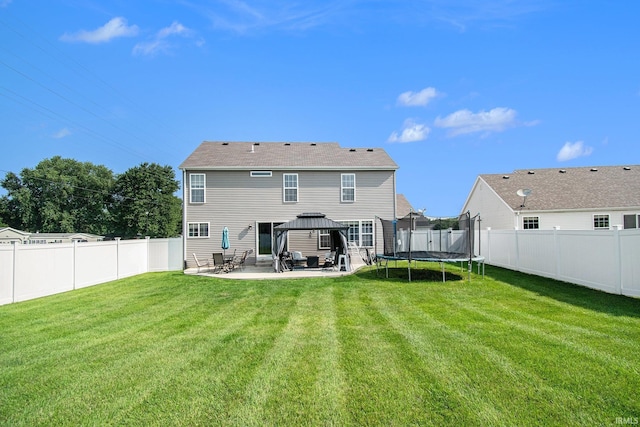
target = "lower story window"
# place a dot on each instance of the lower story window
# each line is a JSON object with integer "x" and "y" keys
{"x": 360, "y": 232}
{"x": 198, "y": 229}
{"x": 324, "y": 241}
{"x": 530, "y": 223}
{"x": 601, "y": 221}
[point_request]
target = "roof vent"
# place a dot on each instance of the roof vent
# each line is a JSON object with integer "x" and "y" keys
{"x": 225, "y": 143}
{"x": 531, "y": 172}
{"x": 256, "y": 143}
{"x": 370, "y": 150}
{"x": 287, "y": 143}
{"x": 594, "y": 169}
{"x": 313, "y": 144}
{"x": 562, "y": 171}
{"x": 505, "y": 176}
{"x": 352, "y": 149}
{"x": 627, "y": 168}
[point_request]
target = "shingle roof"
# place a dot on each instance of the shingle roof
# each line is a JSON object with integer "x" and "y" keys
{"x": 570, "y": 188}
{"x": 286, "y": 155}
{"x": 403, "y": 207}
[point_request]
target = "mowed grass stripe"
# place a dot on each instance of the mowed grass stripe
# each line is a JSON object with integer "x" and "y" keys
{"x": 382, "y": 374}
{"x": 140, "y": 354}
{"x": 455, "y": 360}
{"x": 553, "y": 359}
{"x": 574, "y": 367}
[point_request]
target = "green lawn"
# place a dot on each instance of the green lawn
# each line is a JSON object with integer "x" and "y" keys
{"x": 170, "y": 349}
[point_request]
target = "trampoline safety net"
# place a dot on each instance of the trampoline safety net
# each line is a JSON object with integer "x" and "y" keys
{"x": 413, "y": 237}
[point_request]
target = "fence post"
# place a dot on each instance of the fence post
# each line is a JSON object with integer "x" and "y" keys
{"x": 118, "y": 257}
{"x": 74, "y": 264}
{"x": 618, "y": 256}
{"x": 147, "y": 238}
{"x": 557, "y": 252}
{"x": 488, "y": 245}
{"x": 13, "y": 275}
{"x": 517, "y": 263}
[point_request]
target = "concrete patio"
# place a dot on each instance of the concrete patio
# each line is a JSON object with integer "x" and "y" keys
{"x": 260, "y": 272}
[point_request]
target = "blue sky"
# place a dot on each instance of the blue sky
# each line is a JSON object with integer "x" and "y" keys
{"x": 449, "y": 88}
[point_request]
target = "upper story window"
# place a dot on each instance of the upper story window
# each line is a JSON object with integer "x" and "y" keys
{"x": 290, "y": 187}
{"x": 198, "y": 229}
{"x": 348, "y": 187}
{"x": 196, "y": 186}
{"x": 530, "y": 222}
{"x": 601, "y": 222}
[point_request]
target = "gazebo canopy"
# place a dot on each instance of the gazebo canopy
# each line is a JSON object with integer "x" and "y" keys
{"x": 311, "y": 221}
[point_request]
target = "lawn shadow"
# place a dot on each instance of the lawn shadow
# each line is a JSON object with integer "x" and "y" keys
{"x": 401, "y": 274}
{"x": 570, "y": 293}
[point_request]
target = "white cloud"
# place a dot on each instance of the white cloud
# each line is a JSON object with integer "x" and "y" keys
{"x": 411, "y": 132}
{"x": 159, "y": 43}
{"x": 417, "y": 99}
{"x": 62, "y": 133}
{"x": 464, "y": 121}
{"x": 117, "y": 27}
{"x": 571, "y": 150}
{"x": 175, "y": 28}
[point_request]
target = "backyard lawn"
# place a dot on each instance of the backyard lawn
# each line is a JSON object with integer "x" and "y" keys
{"x": 171, "y": 349}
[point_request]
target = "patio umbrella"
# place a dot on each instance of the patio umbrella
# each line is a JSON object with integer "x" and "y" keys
{"x": 225, "y": 240}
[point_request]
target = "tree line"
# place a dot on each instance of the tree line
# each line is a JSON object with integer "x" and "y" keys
{"x": 64, "y": 196}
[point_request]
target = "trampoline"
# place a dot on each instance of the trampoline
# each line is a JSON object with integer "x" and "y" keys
{"x": 401, "y": 243}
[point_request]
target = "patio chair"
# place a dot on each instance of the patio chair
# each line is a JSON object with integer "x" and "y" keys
{"x": 219, "y": 263}
{"x": 329, "y": 260}
{"x": 202, "y": 264}
{"x": 240, "y": 260}
{"x": 286, "y": 261}
{"x": 297, "y": 258}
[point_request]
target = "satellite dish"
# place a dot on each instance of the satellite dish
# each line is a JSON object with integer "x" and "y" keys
{"x": 523, "y": 192}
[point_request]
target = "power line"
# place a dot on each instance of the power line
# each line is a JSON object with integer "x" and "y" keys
{"x": 69, "y": 62}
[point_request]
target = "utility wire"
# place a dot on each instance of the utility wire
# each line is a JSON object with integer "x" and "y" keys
{"x": 59, "y": 57}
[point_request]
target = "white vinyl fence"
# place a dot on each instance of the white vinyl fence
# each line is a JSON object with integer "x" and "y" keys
{"x": 33, "y": 271}
{"x": 429, "y": 240}
{"x": 607, "y": 260}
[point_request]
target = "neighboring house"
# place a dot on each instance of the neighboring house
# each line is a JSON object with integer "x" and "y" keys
{"x": 583, "y": 198}
{"x": 403, "y": 207}
{"x": 11, "y": 235}
{"x": 251, "y": 187}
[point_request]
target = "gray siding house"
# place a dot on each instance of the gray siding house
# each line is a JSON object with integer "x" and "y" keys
{"x": 251, "y": 187}
{"x": 584, "y": 198}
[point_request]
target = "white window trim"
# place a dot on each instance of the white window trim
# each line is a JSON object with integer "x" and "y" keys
{"x": 204, "y": 188}
{"x": 320, "y": 235}
{"x": 533, "y": 218}
{"x": 360, "y": 232}
{"x": 608, "y": 227}
{"x": 342, "y": 188}
{"x": 285, "y": 188}
{"x": 199, "y": 223}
